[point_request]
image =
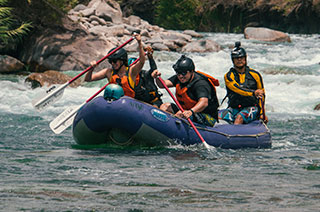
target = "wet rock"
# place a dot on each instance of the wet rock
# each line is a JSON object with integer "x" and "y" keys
{"x": 10, "y": 64}
{"x": 265, "y": 34}
{"x": 88, "y": 32}
{"x": 202, "y": 45}
{"x": 317, "y": 107}
{"x": 49, "y": 78}
{"x": 192, "y": 33}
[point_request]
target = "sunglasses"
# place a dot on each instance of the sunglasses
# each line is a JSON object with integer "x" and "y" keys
{"x": 112, "y": 60}
{"x": 183, "y": 73}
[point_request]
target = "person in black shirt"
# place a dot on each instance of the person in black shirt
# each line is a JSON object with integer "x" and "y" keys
{"x": 194, "y": 91}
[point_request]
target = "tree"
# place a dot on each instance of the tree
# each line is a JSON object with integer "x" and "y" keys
{"x": 10, "y": 29}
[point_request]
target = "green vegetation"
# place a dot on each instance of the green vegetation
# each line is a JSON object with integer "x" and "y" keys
{"x": 178, "y": 14}
{"x": 9, "y": 28}
{"x": 64, "y": 5}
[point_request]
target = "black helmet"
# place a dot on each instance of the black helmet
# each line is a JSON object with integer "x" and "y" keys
{"x": 184, "y": 64}
{"x": 121, "y": 54}
{"x": 237, "y": 51}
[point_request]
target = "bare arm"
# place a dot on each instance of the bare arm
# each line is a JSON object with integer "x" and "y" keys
{"x": 156, "y": 74}
{"x": 136, "y": 68}
{"x": 198, "y": 108}
{"x": 104, "y": 73}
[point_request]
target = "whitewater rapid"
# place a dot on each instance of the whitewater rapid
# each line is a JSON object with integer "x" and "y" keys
{"x": 290, "y": 72}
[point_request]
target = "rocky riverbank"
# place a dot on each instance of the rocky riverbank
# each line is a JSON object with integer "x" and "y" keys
{"x": 88, "y": 32}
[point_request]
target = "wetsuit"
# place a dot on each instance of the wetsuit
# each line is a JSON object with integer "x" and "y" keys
{"x": 240, "y": 91}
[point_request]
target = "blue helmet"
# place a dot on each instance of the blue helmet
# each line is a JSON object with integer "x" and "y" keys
{"x": 131, "y": 60}
{"x": 113, "y": 92}
{"x": 237, "y": 51}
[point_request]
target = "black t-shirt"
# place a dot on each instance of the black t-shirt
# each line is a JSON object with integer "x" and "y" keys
{"x": 198, "y": 88}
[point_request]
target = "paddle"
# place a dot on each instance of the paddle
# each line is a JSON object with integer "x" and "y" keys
{"x": 65, "y": 119}
{"x": 263, "y": 110}
{"x": 180, "y": 108}
{"x": 54, "y": 93}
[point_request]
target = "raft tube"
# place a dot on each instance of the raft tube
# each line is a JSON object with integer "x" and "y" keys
{"x": 127, "y": 121}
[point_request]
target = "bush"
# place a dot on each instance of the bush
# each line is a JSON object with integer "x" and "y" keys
{"x": 178, "y": 14}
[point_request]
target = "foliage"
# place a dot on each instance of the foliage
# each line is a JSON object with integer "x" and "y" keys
{"x": 178, "y": 14}
{"x": 64, "y": 5}
{"x": 9, "y": 28}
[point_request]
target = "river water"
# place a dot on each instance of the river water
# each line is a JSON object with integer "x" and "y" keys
{"x": 41, "y": 171}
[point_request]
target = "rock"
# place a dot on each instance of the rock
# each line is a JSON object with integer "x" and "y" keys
{"x": 87, "y": 12}
{"x": 173, "y": 35}
{"x": 134, "y": 20}
{"x": 49, "y": 78}
{"x": 265, "y": 34}
{"x": 79, "y": 7}
{"x": 159, "y": 47}
{"x": 97, "y": 19}
{"x": 10, "y": 64}
{"x": 65, "y": 51}
{"x": 317, "y": 107}
{"x": 131, "y": 29}
{"x": 201, "y": 46}
{"x": 192, "y": 33}
{"x": 109, "y": 9}
{"x": 91, "y": 31}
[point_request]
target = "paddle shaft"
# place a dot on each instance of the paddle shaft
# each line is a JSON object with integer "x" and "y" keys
{"x": 180, "y": 108}
{"x": 64, "y": 120}
{"x": 102, "y": 59}
{"x": 53, "y": 93}
{"x": 263, "y": 110}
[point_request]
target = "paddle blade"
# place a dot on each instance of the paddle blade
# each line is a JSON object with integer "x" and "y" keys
{"x": 47, "y": 98}
{"x": 65, "y": 119}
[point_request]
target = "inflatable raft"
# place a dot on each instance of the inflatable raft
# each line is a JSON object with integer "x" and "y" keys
{"x": 127, "y": 121}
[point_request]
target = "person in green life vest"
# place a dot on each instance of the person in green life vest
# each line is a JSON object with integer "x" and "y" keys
{"x": 245, "y": 91}
{"x": 195, "y": 91}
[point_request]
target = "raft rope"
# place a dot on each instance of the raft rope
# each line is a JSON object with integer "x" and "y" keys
{"x": 228, "y": 135}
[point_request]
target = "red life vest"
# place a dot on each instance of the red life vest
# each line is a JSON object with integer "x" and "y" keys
{"x": 127, "y": 89}
{"x": 186, "y": 102}
{"x": 181, "y": 93}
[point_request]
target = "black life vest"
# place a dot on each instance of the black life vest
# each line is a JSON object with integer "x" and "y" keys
{"x": 146, "y": 90}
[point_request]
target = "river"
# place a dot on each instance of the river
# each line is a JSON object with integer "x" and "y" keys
{"x": 41, "y": 171}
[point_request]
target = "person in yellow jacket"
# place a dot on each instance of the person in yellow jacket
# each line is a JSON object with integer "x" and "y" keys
{"x": 245, "y": 91}
{"x": 120, "y": 73}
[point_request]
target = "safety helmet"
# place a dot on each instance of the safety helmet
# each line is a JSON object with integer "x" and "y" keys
{"x": 113, "y": 92}
{"x": 238, "y": 51}
{"x": 184, "y": 64}
{"x": 121, "y": 54}
{"x": 131, "y": 60}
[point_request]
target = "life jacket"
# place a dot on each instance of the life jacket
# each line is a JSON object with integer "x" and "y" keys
{"x": 124, "y": 83}
{"x": 146, "y": 90}
{"x": 187, "y": 102}
{"x": 238, "y": 101}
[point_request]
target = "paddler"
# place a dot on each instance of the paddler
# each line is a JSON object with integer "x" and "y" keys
{"x": 245, "y": 91}
{"x": 195, "y": 91}
{"x": 121, "y": 73}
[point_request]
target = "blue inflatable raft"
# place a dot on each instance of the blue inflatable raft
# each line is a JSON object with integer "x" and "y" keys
{"x": 130, "y": 122}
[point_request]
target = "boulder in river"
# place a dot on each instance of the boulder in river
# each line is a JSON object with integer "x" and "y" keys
{"x": 265, "y": 34}
{"x": 49, "y": 78}
{"x": 10, "y": 64}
